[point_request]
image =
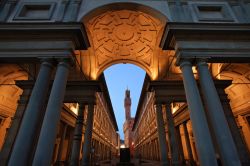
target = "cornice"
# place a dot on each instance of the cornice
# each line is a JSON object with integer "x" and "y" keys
{"x": 70, "y": 31}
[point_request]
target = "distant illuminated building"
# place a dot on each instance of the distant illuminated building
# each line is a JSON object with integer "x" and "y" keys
{"x": 128, "y": 124}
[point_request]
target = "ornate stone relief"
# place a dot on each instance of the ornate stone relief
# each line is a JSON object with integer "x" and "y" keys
{"x": 124, "y": 36}
{"x": 239, "y": 91}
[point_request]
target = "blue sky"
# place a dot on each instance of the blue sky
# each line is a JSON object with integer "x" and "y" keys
{"x": 118, "y": 78}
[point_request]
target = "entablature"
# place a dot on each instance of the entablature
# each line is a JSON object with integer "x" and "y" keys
{"x": 214, "y": 42}
{"x": 30, "y": 41}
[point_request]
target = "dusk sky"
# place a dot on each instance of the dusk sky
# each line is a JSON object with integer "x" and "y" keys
{"x": 120, "y": 77}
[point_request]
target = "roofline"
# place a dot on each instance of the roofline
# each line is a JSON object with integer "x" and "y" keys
{"x": 107, "y": 97}
{"x": 142, "y": 96}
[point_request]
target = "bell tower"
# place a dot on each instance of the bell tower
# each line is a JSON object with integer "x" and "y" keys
{"x": 128, "y": 124}
{"x": 127, "y": 104}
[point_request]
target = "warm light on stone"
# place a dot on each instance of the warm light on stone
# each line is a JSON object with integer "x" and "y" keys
{"x": 124, "y": 36}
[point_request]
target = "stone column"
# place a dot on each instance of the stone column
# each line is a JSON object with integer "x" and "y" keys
{"x": 15, "y": 124}
{"x": 175, "y": 160}
{"x": 60, "y": 149}
{"x": 45, "y": 145}
{"x": 178, "y": 136}
{"x": 162, "y": 136}
{"x": 70, "y": 142}
{"x": 202, "y": 135}
{"x": 225, "y": 142}
{"x": 26, "y": 136}
{"x": 238, "y": 140}
{"x": 88, "y": 136}
{"x": 188, "y": 145}
{"x": 245, "y": 129}
{"x": 76, "y": 147}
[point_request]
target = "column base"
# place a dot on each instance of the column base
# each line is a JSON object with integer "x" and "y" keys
{"x": 177, "y": 163}
{"x": 124, "y": 164}
{"x": 165, "y": 163}
{"x": 59, "y": 163}
{"x": 85, "y": 164}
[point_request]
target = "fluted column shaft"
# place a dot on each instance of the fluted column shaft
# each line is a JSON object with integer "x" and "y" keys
{"x": 202, "y": 135}
{"x": 26, "y": 136}
{"x": 162, "y": 136}
{"x": 45, "y": 145}
{"x": 76, "y": 147}
{"x": 225, "y": 142}
{"x": 88, "y": 136}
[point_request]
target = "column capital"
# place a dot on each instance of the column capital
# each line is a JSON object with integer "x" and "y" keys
{"x": 168, "y": 102}
{"x": 185, "y": 122}
{"x": 47, "y": 61}
{"x": 64, "y": 62}
{"x": 201, "y": 62}
{"x": 163, "y": 100}
{"x": 186, "y": 62}
{"x": 158, "y": 103}
{"x": 84, "y": 101}
{"x": 63, "y": 59}
{"x": 81, "y": 104}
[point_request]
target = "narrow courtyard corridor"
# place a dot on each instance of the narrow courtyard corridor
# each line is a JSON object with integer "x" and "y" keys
{"x": 180, "y": 98}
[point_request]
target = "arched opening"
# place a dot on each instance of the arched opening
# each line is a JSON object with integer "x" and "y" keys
{"x": 123, "y": 33}
{"x": 119, "y": 78}
{"x": 125, "y": 82}
{"x": 9, "y": 96}
{"x": 107, "y": 6}
{"x": 119, "y": 62}
{"x": 238, "y": 93}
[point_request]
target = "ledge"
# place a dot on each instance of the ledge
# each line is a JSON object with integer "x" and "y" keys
{"x": 46, "y": 31}
{"x": 189, "y": 29}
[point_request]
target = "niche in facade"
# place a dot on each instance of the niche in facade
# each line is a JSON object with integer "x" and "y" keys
{"x": 35, "y": 11}
{"x": 210, "y": 12}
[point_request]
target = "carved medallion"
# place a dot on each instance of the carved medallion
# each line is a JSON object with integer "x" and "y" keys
{"x": 124, "y": 35}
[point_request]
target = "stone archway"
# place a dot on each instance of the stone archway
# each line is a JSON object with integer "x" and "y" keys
{"x": 123, "y": 36}
{"x": 9, "y": 95}
{"x": 239, "y": 91}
